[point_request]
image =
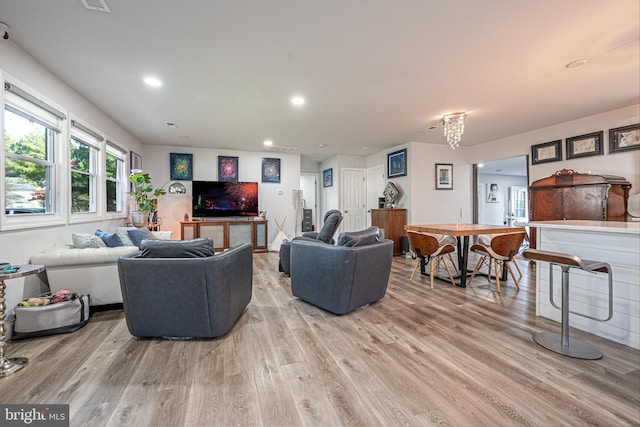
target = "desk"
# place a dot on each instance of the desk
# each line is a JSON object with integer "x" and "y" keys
{"x": 9, "y": 366}
{"x": 464, "y": 231}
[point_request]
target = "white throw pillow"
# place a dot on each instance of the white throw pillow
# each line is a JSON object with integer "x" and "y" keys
{"x": 84, "y": 240}
{"x": 124, "y": 236}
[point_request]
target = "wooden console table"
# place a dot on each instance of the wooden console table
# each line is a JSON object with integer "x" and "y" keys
{"x": 227, "y": 233}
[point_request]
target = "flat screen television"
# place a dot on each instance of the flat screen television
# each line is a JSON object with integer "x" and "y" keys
{"x": 220, "y": 199}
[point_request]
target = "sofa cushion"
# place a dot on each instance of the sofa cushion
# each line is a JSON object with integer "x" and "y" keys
{"x": 59, "y": 256}
{"x": 122, "y": 233}
{"x": 85, "y": 240}
{"x": 112, "y": 240}
{"x": 196, "y": 248}
{"x": 140, "y": 234}
{"x": 329, "y": 227}
{"x": 365, "y": 237}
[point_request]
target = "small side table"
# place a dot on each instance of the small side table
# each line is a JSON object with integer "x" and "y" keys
{"x": 9, "y": 366}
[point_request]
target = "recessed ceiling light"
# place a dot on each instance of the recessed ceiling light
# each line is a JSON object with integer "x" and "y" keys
{"x": 298, "y": 100}
{"x": 364, "y": 148}
{"x": 576, "y": 64}
{"x": 152, "y": 81}
{"x": 268, "y": 142}
{"x": 322, "y": 145}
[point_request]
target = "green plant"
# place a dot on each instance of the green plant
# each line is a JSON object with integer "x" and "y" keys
{"x": 143, "y": 193}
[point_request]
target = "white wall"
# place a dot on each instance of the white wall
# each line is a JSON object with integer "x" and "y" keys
{"x": 429, "y": 205}
{"x": 18, "y": 246}
{"x": 625, "y": 164}
{"x": 276, "y": 199}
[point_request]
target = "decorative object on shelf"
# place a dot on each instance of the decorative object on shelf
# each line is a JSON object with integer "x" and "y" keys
{"x": 181, "y": 166}
{"x": 453, "y": 128}
{"x": 546, "y": 152}
{"x": 175, "y": 187}
{"x": 144, "y": 196}
{"x": 397, "y": 164}
{"x": 585, "y": 145}
{"x": 444, "y": 176}
{"x": 186, "y": 217}
{"x": 270, "y": 170}
{"x": 327, "y": 177}
{"x": 390, "y": 194}
{"x": 228, "y": 168}
{"x": 624, "y": 138}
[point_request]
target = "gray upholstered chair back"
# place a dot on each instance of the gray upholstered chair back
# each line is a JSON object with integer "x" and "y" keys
{"x": 188, "y": 296}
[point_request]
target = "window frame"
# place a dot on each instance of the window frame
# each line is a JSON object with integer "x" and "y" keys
{"x": 85, "y": 134}
{"x": 111, "y": 145}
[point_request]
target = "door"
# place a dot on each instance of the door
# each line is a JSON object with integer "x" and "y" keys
{"x": 375, "y": 188}
{"x": 354, "y": 201}
{"x": 518, "y": 205}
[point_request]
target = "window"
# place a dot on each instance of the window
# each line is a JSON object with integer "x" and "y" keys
{"x": 83, "y": 162}
{"x": 31, "y": 134}
{"x": 115, "y": 175}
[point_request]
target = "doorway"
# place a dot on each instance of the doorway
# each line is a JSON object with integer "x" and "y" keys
{"x": 501, "y": 191}
{"x": 310, "y": 195}
{"x": 354, "y": 199}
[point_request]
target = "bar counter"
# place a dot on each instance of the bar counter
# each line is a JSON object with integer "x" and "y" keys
{"x": 617, "y": 243}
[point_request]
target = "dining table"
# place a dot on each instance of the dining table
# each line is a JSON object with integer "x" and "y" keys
{"x": 462, "y": 232}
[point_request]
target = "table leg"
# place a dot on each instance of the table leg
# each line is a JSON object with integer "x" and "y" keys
{"x": 7, "y": 366}
{"x": 463, "y": 260}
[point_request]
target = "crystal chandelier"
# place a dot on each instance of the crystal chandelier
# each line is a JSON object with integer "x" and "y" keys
{"x": 453, "y": 128}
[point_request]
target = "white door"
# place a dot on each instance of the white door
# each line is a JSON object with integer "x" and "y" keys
{"x": 518, "y": 205}
{"x": 354, "y": 200}
{"x": 375, "y": 188}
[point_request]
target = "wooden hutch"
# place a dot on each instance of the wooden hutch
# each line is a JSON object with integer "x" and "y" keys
{"x": 391, "y": 222}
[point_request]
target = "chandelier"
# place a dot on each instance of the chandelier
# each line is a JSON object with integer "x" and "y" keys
{"x": 453, "y": 128}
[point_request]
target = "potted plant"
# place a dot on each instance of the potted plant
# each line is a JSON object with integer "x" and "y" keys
{"x": 145, "y": 197}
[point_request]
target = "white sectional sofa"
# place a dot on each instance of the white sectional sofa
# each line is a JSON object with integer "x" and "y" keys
{"x": 92, "y": 271}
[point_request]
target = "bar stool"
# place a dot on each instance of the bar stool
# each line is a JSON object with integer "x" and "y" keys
{"x": 560, "y": 342}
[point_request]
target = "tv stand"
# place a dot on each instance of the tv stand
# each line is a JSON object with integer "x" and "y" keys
{"x": 227, "y": 233}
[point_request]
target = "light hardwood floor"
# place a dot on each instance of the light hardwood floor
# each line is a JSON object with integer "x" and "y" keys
{"x": 447, "y": 356}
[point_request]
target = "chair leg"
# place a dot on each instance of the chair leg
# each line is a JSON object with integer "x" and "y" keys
{"x": 415, "y": 269}
{"x": 475, "y": 270}
{"x": 512, "y": 275}
{"x": 495, "y": 261}
{"x": 448, "y": 271}
{"x": 432, "y": 268}
{"x": 517, "y": 267}
{"x": 453, "y": 264}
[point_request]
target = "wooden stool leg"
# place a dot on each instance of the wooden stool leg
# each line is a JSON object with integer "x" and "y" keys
{"x": 453, "y": 264}
{"x": 415, "y": 269}
{"x": 448, "y": 271}
{"x": 495, "y": 263}
{"x": 431, "y": 267}
{"x": 512, "y": 275}
{"x": 475, "y": 270}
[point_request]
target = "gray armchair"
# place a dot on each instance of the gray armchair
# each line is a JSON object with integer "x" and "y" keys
{"x": 332, "y": 220}
{"x": 341, "y": 278}
{"x": 181, "y": 289}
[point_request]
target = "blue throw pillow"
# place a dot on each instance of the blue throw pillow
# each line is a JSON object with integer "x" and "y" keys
{"x": 112, "y": 240}
{"x": 139, "y": 234}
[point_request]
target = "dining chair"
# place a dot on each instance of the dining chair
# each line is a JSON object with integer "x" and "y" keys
{"x": 500, "y": 251}
{"x": 428, "y": 250}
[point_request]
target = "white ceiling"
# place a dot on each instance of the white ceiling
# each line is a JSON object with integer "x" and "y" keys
{"x": 375, "y": 73}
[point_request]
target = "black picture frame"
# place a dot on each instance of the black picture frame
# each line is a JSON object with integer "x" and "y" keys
{"x": 228, "y": 169}
{"x": 397, "y": 164}
{"x": 327, "y": 178}
{"x": 181, "y": 166}
{"x": 444, "y": 176}
{"x": 135, "y": 161}
{"x": 546, "y": 152}
{"x": 587, "y": 145}
{"x": 270, "y": 170}
{"x": 625, "y": 138}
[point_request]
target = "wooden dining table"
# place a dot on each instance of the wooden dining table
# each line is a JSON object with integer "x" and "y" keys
{"x": 462, "y": 232}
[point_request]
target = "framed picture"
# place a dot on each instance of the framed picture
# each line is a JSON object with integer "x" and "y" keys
{"x": 327, "y": 177}
{"x": 227, "y": 168}
{"x": 397, "y": 164}
{"x": 625, "y": 138}
{"x": 135, "y": 161}
{"x": 546, "y": 152}
{"x": 493, "y": 193}
{"x": 585, "y": 145}
{"x": 270, "y": 170}
{"x": 444, "y": 176}
{"x": 181, "y": 166}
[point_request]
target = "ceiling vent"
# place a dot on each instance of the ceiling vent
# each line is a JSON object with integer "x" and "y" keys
{"x": 284, "y": 148}
{"x": 97, "y": 5}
